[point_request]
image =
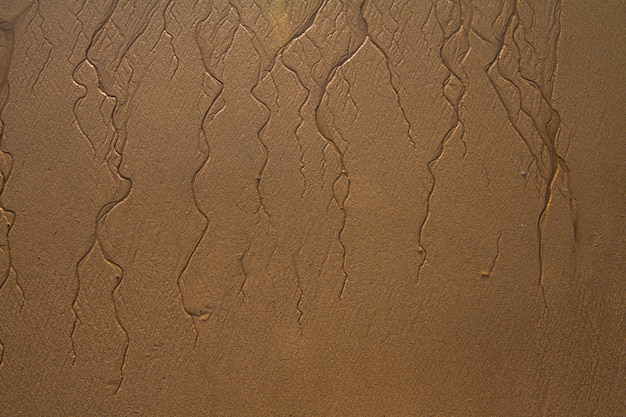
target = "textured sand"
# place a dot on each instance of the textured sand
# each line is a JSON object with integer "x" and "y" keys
{"x": 313, "y": 208}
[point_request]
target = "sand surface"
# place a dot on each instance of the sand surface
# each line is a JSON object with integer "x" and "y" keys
{"x": 309, "y": 208}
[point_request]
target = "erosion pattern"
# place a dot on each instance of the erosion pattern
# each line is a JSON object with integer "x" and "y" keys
{"x": 6, "y": 47}
{"x": 312, "y": 208}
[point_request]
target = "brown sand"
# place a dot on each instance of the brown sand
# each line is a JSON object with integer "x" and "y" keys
{"x": 313, "y": 208}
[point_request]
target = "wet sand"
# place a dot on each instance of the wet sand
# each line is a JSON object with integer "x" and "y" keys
{"x": 312, "y": 208}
